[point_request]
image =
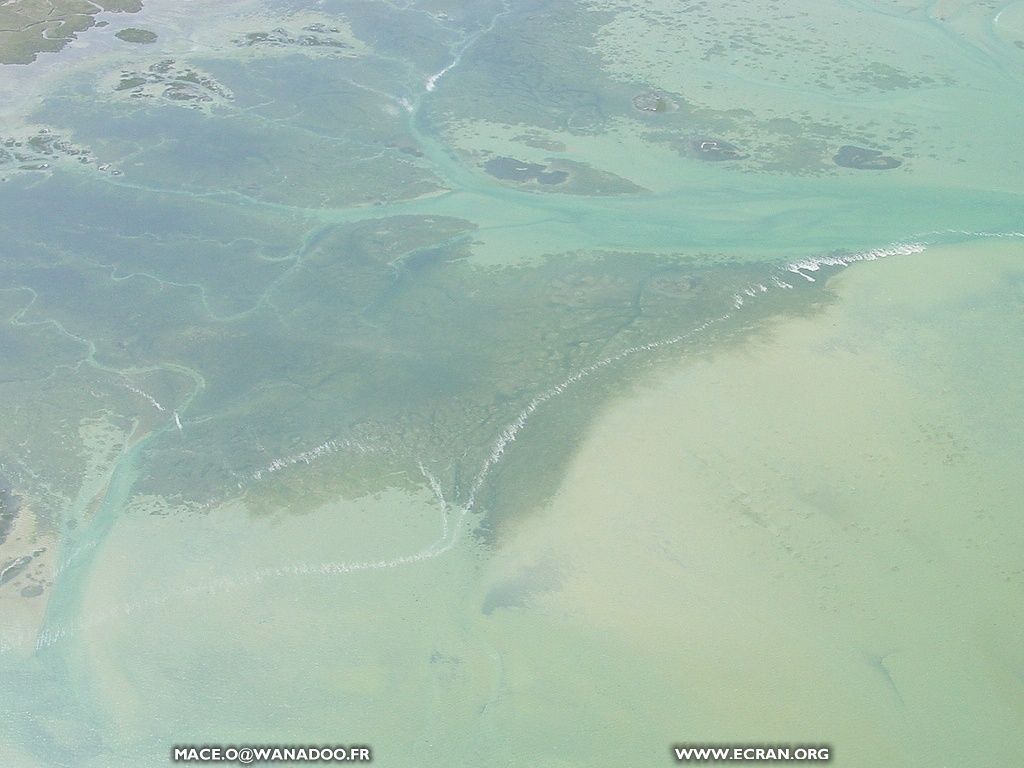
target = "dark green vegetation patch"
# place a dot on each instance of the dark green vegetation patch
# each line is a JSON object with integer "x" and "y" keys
{"x": 310, "y": 36}
{"x": 716, "y": 149}
{"x": 654, "y": 102}
{"x": 136, "y": 35}
{"x": 28, "y": 27}
{"x": 510, "y": 169}
{"x": 864, "y": 159}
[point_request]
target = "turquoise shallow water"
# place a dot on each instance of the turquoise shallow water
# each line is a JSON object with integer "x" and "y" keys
{"x": 311, "y": 381}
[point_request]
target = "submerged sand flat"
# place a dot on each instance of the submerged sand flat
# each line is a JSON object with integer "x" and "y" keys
{"x": 811, "y": 538}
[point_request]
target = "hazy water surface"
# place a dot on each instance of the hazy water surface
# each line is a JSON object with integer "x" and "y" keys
{"x": 514, "y": 383}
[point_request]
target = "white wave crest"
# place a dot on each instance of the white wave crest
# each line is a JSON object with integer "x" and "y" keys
{"x": 814, "y": 263}
{"x": 144, "y": 395}
{"x": 308, "y": 457}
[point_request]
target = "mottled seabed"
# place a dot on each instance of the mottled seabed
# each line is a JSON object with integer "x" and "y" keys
{"x": 526, "y": 383}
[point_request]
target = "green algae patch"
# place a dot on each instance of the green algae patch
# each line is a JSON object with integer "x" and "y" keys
{"x": 864, "y": 159}
{"x": 136, "y": 35}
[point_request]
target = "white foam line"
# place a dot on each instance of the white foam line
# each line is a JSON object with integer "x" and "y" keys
{"x": 308, "y": 457}
{"x": 969, "y": 233}
{"x": 145, "y": 395}
{"x": 449, "y": 535}
{"x": 467, "y": 43}
{"x": 435, "y": 486}
{"x": 814, "y": 263}
{"x": 53, "y": 635}
{"x": 509, "y": 434}
{"x": 778, "y": 282}
{"x": 15, "y": 563}
{"x": 431, "y": 83}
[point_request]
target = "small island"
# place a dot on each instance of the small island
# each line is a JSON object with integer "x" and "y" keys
{"x": 653, "y": 101}
{"x": 136, "y": 35}
{"x": 864, "y": 159}
{"x": 715, "y": 150}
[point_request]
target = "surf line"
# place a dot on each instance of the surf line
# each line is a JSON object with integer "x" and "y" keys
{"x": 308, "y": 457}
{"x": 509, "y": 434}
{"x": 450, "y": 530}
{"x": 815, "y": 263}
{"x": 144, "y": 395}
{"x": 972, "y": 233}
